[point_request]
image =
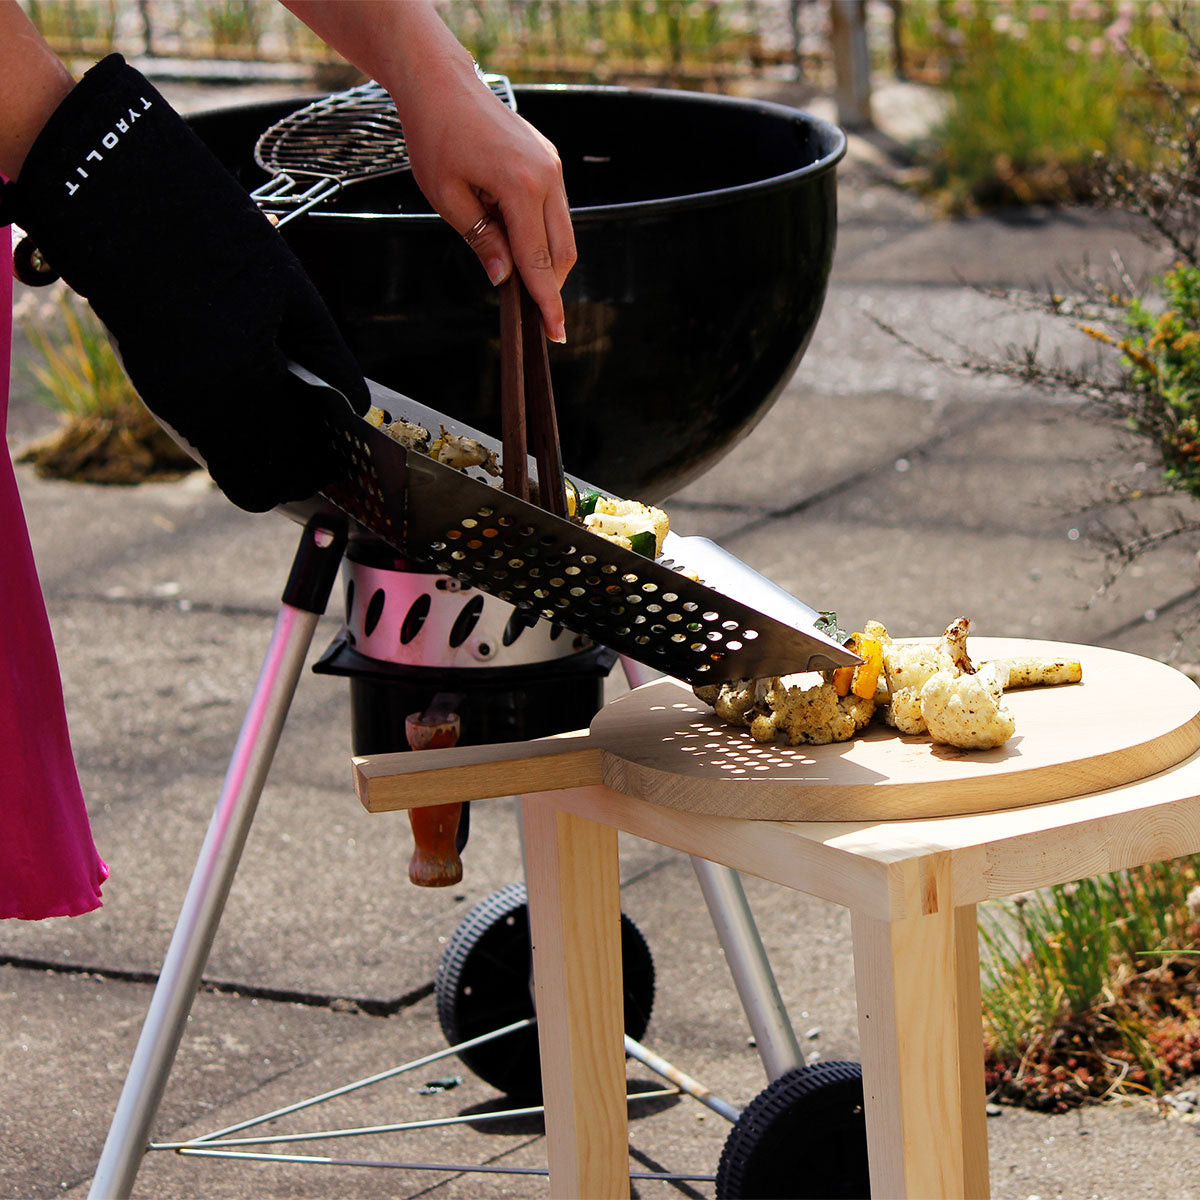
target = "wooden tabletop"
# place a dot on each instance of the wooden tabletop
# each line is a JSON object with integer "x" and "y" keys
{"x": 1130, "y": 718}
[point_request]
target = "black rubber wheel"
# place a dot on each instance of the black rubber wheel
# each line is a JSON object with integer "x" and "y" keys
{"x": 803, "y": 1137}
{"x": 483, "y": 984}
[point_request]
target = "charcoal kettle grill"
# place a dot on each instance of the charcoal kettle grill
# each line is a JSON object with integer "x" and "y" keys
{"x": 705, "y": 227}
{"x": 785, "y": 246}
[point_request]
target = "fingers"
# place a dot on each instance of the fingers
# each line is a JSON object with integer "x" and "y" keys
{"x": 528, "y": 225}
{"x": 488, "y": 239}
{"x": 550, "y": 259}
{"x": 543, "y": 240}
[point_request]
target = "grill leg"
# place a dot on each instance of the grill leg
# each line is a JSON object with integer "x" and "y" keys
{"x": 749, "y": 966}
{"x": 313, "y": 572}
{"x": 740, "y": 940}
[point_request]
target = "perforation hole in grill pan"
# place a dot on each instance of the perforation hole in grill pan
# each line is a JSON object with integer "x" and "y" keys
{"x": 372, "y": 487}
{"x": 564, "y": 573}
{"x": 553, "y": 568}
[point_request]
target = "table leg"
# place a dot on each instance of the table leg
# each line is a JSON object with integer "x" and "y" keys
{"x": 571, "y": 873}
{"x": 917, "y": 982}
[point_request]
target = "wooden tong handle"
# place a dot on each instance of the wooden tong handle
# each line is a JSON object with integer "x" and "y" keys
{"x": 512, "y": 390}
{"x": 527, "y": 414}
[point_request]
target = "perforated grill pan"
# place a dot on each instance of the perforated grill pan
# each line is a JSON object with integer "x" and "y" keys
{"x": 556, "y": 569}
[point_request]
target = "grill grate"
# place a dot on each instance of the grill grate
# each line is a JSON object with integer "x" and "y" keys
{"x": 347, "y": 136}
{"x": 344, "y": 138}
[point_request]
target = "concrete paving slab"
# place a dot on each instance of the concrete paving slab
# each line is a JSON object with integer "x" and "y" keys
{"x": 243, "y": 1058}
{"x": 66, "y": 1046}
{"x": 68, "y": 1038}
{"x": 1110, "y": 1152}
{"x": 1034, "y": 248}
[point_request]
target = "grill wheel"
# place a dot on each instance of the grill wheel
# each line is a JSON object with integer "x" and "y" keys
{"x": 483, "y": 983}
{"x": 803, "y": 1137}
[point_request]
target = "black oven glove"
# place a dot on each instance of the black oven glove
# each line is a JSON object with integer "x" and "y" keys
{"x": 202, "y": 296}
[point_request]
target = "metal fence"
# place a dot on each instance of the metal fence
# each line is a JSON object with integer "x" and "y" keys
{"x": 701, "y": 43}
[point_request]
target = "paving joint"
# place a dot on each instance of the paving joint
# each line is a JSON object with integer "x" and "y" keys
{"x": 366, "y": 1005}
{"x": 174, "y": 603}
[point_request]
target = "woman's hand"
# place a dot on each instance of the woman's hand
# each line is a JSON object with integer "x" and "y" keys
{"x": 471, "y": 155}
{"x": 499, "y": 183}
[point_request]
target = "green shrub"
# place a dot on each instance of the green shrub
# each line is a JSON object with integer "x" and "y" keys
{"x": 1162, "y": 356}
{"x": 74, "y": 367}
{"x": 1036, "y": 91}
{"x": 1091, "y": 988}
{"x": 106, "y": 435}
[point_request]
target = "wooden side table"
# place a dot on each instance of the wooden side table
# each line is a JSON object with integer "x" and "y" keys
{"x": 910, "y": 837}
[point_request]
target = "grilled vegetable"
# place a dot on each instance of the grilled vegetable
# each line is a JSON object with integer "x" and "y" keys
{"x": 1040, "y": 672}
{"x": 587, "y": 502}
{"x": 622, "y": 532}
{"x": 967, "y": 709}
{"x": 813, "y": 716}
{"x": 407, "y": 433}
{"x": 929, "y": 687}
{"x": 862, "y": 679}
{"x": 639, "y": 527}
{"x": 908, "y": 666}
{"x": 462, "y": 452}
{"x": 626, "y": 517}
{"x": 572, "y": 494}
{"x": 644, "y": 543}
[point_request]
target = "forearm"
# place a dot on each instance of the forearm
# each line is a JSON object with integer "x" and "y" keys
{"x": 32, "y": 85}
{"x": 402, "y": 44}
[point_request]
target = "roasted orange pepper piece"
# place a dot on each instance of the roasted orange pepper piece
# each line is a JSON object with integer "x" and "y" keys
{"x": 860, "y": 680}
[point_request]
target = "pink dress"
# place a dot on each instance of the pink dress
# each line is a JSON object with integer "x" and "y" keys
{"x": 48, "y": 863}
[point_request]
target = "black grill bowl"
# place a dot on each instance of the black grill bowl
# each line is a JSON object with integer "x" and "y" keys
{"x": 705, "y": 227}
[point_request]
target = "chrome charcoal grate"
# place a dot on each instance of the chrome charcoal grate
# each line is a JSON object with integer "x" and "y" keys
{"x": 345, "y": 138}
{"x": 555, "y": 569}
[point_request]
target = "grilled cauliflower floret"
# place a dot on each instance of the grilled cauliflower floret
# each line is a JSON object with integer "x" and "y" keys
{"x": 878, "y": 631}
{"x": 407, "y": 433}
{"x": 967, "y": 710}
{"x": 734, "y": 701}
{"x": 739, "y": 703}
{"x": 955, "y": 644}
{"x": 415, "y": 437}
{"x": 859, "y": 710}
{"x": 617, "y": 537}
{"x": 462, "y": 452}
{"x": 632, "y": 515}
{"x": 907, "y": 668}
{"x": 813, "y": 716}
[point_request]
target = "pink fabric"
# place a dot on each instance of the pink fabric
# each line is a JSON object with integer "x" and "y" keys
{"x": 48, "y": 863}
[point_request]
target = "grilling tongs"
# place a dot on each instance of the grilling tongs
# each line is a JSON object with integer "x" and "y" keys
{"x": 527, "y": 420}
